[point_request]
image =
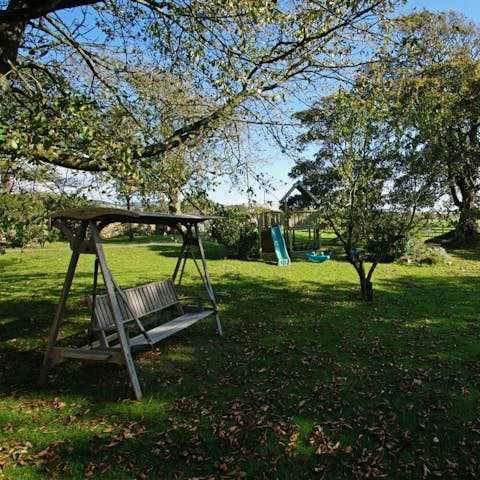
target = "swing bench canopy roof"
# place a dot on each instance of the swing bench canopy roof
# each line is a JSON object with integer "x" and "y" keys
{"x": 113, "y": 215}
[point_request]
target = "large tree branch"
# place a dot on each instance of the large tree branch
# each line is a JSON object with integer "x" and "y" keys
{"x": 185, "y": 133}
{"x": 58, "y": 157}
{"x": 79, "y": 161}
{"x": 31, "y": 9}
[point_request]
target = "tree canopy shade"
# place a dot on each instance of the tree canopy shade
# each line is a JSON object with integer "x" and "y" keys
{"x": 63, "y": 72}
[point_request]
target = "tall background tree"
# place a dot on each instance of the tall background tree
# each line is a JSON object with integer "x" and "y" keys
{"x": 431, "y": 70}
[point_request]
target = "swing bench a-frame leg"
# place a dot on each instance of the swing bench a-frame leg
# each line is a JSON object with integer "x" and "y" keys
{"x": 115, "y": 309}
{"x": 189, "y": 240}
{"x": 59, "y": 313}
{"x": 112, "y": 298}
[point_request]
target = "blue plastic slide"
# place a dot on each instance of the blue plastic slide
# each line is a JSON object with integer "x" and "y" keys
{"x": 280, "y": 247}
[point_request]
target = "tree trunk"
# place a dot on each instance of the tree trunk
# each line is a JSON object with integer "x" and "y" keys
{"x": 467, "y": 226}
{"x": 11, "y": 35}
{"x": 368, "y": 291}
{"x": 467, "y": 223}
{"x": 174, "y": 201}
{"x": 130, "y": 227}
{"x": 366, "y": 286}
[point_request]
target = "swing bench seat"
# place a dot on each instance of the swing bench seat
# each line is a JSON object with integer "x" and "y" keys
{"x": 145, "y": 301}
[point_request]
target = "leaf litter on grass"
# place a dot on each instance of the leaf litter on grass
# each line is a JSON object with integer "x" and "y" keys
{"x": 306, "y": 383}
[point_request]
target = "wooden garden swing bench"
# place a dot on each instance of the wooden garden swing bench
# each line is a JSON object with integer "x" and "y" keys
{"x": 135, "y": 303}
{"x": 119, "y": 317}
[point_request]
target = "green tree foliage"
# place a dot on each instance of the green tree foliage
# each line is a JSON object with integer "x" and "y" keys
{"x": 64, "y": 73}
{"x": 29, "y": 193}
{"x": 431, "y": 71}
{"x": 237, "y": 231}
{"x": 22, "y": 220}
{"x": 24, "y": 217}
{"x": 368, "y": 192}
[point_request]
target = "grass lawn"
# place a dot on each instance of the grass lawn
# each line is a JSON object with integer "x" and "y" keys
{"x": 307, "y": 382}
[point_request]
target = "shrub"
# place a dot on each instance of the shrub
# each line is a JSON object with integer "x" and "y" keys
{"x": 436, "y": 255}
{"x": 417, "y": 251}
{"x": 24, "y": 218}
{"x": 237, "y": 231}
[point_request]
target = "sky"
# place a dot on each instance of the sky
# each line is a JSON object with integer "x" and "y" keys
{"x": 275, "y": 166}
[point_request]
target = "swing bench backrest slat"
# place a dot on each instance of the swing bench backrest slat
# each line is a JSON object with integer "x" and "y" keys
{"x": 142, "y": 301}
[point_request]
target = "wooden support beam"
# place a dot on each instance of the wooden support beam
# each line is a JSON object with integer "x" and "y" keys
{"x": 115, "y": 308}
{"x": 208, "y": 283}
{"x": 60, "y": 311}
{"x": 59, "y": 354}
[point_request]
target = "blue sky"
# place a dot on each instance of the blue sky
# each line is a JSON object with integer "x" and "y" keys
{"x": 470, "y": 8}
{"x": 276, "y": 166}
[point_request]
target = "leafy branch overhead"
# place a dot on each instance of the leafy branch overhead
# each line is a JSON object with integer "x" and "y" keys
{"x": 63, "y": 72}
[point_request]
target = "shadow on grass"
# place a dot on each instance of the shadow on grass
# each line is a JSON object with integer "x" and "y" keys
{"x": 32, "y": 298}
{"x": 213, "y": 251}
{"x": 268, "y": 311}
{"x": 167, "y": 251}
{"x": 468, "y": 254}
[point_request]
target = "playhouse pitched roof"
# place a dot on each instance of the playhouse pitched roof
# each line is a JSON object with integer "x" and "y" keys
{"x": 307, "y": 195}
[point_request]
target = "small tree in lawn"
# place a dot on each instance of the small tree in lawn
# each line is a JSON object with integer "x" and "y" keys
{"x": 369, "y": 192}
